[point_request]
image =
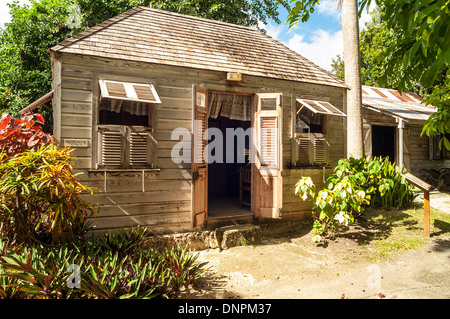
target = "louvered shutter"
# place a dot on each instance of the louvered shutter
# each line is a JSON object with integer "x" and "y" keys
{"x": 139, "y": 149}
{"x": 304, "y": 149}
{"x": 120, "y": 147}
{"x": 111, "y": 149}
{"x": 267, "y": 186}
{"x": 116, "y": 89}
{"x": 320, "y": 149}
{"x": 269, "y": 141}
{"x": 200, "y": 143}
{"x": 199, "y": 165}
{"x": 139, "y": 92}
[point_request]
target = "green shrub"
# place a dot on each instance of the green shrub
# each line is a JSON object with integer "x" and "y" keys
{"x": 332, "y": 207}
{"x": 354, "y": 185}
{"x": 378, "y": 177}
{"x": 42, "y": 271}
{"x": 40, "y": 197}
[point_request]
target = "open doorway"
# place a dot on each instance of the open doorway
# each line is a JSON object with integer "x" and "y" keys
{"x": 229, "y": 181}
{"x": 383, "y": 141}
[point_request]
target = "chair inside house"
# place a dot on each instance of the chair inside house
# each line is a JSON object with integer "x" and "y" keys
{"x": 245, "y": 185}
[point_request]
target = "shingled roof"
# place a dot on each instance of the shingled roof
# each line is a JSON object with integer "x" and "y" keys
{"x": 155, "y": 36}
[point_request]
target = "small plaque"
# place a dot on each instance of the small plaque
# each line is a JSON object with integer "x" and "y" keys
{"x": 76, "y": 142}
{"x": 417, "y": 181}
{"x": 234, "y": 77}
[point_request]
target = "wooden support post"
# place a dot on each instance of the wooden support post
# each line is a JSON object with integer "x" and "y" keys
{"x": 426, "y": 199}
{"x": 426, "y": 209}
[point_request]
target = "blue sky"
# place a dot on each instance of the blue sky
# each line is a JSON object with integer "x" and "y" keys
{"x": 319, "y": 39}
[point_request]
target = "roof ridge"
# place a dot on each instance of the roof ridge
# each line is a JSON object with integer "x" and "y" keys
{"x": 188, "y": 16}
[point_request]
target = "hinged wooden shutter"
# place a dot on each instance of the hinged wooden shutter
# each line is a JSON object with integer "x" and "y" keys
{"x": 139, "y": 149}
{"x": 140, "y": 92}
{"x": 269, "y": 141}
{"x": 199, "y": 165}
{"x": 111, "y": 149}
{"x": 320, "y": 149}
{"x": 123, "y": 147}
{"x": 303, "y": 149}
{"x": 268, "y": 165}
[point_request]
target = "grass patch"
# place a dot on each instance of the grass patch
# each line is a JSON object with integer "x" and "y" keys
{"x": 398, "y": 230}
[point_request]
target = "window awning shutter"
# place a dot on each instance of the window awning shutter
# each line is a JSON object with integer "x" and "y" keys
{"x": 321, "y": 107}
{"x": 137, "y": 92}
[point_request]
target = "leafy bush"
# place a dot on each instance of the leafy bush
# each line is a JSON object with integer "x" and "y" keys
{"x": 19, "y": 135}
{"x": 332, "y": 207}
{"x": 378, "y": 177}
{"x": 354, "y": 185}
{"x": 42, "y": 271}
{"x": 41, "y": 197}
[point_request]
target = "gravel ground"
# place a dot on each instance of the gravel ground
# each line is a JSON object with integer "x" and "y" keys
{"x": 294, "y": 267}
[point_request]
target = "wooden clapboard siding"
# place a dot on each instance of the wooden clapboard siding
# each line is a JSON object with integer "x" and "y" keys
{"x": 75, "y": 107}
{"x": 165, "y": 204}
{"x": 419, "y": 148}
{"x": 293, "y": 205}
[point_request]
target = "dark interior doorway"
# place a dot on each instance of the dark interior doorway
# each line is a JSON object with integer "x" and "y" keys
{"x": 383, "y": 141}
{"x": 227, "y": 194}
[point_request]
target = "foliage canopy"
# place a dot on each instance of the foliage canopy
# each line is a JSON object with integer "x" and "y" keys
{"x": 25, "y": 65}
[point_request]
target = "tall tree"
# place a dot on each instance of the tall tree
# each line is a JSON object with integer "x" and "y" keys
{"x": 375, "y": 41}
{"x": 421, "y": 51}
{"x": 350, "y": 26}
{"x": 25, "y": 67}
{"x": 352, "y": 58}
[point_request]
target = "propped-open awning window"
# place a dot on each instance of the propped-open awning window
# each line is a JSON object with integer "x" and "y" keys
{"x": 138, "y": 92}
{"x": 125, "y": 120}
{"x": 125, "y": 103}
{"x": 320, "y": 107}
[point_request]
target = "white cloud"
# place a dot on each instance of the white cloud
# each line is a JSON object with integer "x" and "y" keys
{"x": 329, "y": 8}
{"x": 323, "y": 47}
{"x": 273, "y": 30}
{"x": 4, "y": 10}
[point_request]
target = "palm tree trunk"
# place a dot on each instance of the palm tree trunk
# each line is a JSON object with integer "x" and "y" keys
{"x": 350, "y": 28}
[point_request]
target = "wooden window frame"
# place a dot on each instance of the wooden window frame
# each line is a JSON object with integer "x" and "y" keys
{"x": 127, "y": 132}
{"x": 301, "y": 142}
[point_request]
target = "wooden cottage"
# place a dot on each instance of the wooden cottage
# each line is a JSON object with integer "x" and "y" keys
{"x": 393, "y": 123}
{"x": 126, "y": 92}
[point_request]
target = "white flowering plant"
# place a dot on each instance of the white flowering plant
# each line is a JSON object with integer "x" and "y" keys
{"x": 332, "y": 207}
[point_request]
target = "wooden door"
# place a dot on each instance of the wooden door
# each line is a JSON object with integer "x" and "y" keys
{"x": 268, "y": 162}
{"x": 199, "y": 164}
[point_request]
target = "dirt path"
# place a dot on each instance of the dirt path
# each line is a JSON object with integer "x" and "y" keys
{"x": 288, "y": 268}
{"x": 294, "y": 267}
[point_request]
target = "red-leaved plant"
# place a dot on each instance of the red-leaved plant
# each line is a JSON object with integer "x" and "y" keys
{"x": 18, "y": 135}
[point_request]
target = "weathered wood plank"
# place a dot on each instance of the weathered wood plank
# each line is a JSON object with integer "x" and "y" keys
{"x": 76, "y": 84}
{"x": 143, "y": 220}
{"x": 135, "y": 185}
{"x": 145, "y": 209}
{"x": 76, "y": 107}
{"x": 76, "y": 95}
{"x": 83, "y": 120}
{"x": 138, "y": 197}
{"x": 75, "y": 132}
